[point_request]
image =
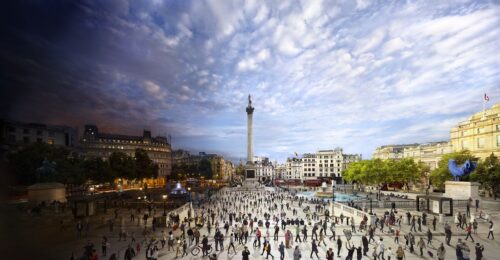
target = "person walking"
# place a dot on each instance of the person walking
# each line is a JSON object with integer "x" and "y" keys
{"x": 314, "y": 249}
{"x": 329, "y": 254}
{"x": 479, "y": 251}
{"x": 296, "y": 253}
{"x": 381, "y": 249}
{"x": 281, "y": 249}
{"x": 469, "y": 232}
{"x": 245, "y": 254}
{"x": 364, "y": 241}
{"x": 429, "y": 237}
{"x": 421, "y": 246}
{"x": 441, "y": 252}
{"x": 434, "y": 220}
{"x": 231, "y": 244}
{"x": 267, "y": 248}
{"x": 396, "y": 236}
{"x": 400, "y": 253}
{"x": 490, "y": 232}
{"x": 339, "y": 245}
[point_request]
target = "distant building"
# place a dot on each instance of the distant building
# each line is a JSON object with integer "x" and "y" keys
{"x": 479, "y": 134}
{"x": 97, "y": 144}
{"x": 221, "y": 169}
{"x": 264, "y": 168}
{"x": 395, "y": 151}
{"x": 322, "y": 164}
{"x": 428, "y": 153}
{"x": 15, "y": 134}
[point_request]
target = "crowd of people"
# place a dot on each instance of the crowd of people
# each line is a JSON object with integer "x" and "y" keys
{"x": 272, "y": 221}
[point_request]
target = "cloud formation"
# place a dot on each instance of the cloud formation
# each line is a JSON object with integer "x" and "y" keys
{"x": 355, "y": 74}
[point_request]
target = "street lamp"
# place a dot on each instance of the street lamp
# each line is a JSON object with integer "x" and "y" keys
{"x": 164, "y": 205}
{"x": 189, "y": 191}
{"x": 91, "y": 189}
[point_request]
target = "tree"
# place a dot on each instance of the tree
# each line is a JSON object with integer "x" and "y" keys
{"x": 122, "y": 165}
{"x": 441, "y": 174}
{"x": 488, "y": 174}
{"x": 205, "y": 168}
{"x": 145, "y": 167}
{"x": 98, "y": 170}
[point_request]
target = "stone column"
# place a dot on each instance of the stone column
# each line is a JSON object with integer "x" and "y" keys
{"x": 249, "y": 132}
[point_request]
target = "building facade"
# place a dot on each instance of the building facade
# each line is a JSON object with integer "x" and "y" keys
{"x": 264, "y": 168}
{"x": 97, "y": 144}
{"x": 395, "y": 151}
{"x": 322, "y": 164}
{"x": 479, "y": 134}
{"x": 15, "y": 134}
{"x": 428, "y": 153}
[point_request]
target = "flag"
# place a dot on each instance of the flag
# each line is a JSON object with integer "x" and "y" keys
{"x": 486, "y": 98}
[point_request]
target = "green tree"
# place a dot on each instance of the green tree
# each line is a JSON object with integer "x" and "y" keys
{"x": 405, "y": 171}
{"x": 441, "y": 174}
{"x": 488, "y": 174}
{"x": 70, "y": 171}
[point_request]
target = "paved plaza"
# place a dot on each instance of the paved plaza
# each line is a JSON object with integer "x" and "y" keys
{"x": 59, "y": 241}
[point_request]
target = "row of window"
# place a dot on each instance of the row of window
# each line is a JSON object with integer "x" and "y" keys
{"x": 129, "y": 142}
{"x": 480, "y": 142}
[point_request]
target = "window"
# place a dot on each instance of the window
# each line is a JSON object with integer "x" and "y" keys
{"x": 12, "y": 129}
{"x": 480, "y": 143}
{"x": 465, "y": 144}
{"x": 51, "y": 134}
{"x": 39, "y": 132}
{"x": 26, "y": 131}
{"x": 39, "y": 140}
{"x": 498, "y": 127}
{"x": 480, "y": 130}
{"x": 26, "y": 140}
{"x": 498, "y": 140}
{"x": 12, "y": 138}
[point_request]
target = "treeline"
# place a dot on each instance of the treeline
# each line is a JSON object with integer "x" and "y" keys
{"x": 47, "y": 163}
{"x": 379, "y": 172}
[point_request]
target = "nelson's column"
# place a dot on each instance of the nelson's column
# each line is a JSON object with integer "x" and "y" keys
{"x": 249, "y": 168}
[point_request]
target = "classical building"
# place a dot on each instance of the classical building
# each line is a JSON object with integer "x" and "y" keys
{"x": 479, "y": 134}
{"x": 15, "y": 134}
{"x": 264, "y": 168}
{"x": 97, "y": 144}
{"x": 428, "y": 153}
{"x": 322, "y": 164}
{"x": 395, "y": 151}
{"x": 221, "y": 168}
{"x": 293, "y": 168}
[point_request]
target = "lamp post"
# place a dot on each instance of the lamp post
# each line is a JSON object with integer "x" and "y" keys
{"x": 189, "y": 191}
{"x": 164, "y": 205}
{"x": 371, "y": 213}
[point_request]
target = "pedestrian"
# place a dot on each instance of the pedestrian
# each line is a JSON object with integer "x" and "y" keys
{"x": 231, "y": 243}
{"x": 339, "y": 245}
{"x": 429, "y": 237}
{"x": 396, "y": 236}
{"x": 469, "y": 232}
{"x": 104, "y": 245}
{"x": 434, "y": 220}
{"x": 359, "y": 253}
{"x": 329, "y": 254}
{"x": 245, "y": 254}
{"x": 267, "y": 248}
{"x": 296, "y": 253}
{"x": 381, "y": 249}
{"x": 421, "y": 246}
{"x": 281, "y": 249}
{"x": 389, "y": 253}
{"x": 441, "y": 252}
{"x": 479, "y": 251}
{"x": 490, "y": 232}
{"x": 400, "y": 253}
{"x": 314, "y": 249}
{"x": 364, "y": 241}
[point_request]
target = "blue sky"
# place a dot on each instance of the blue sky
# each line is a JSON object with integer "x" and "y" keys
{"x": 354, "y": 74}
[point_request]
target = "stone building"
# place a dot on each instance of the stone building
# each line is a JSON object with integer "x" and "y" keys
{"x": 98, "y": 144}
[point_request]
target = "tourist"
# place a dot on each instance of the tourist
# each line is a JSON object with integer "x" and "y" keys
{"x": 296, "y": 253}
{"x": 421, "y": 246}
{"x": 329, "y": 254}
{"x": 359, "y": 253}
{"x": 314, "y": 249}
{"x": 381, "y": 249}
{"x": 396, "y": 236}
{"x": 479, "y": 251}
{"x": 490, "y": 232}
{"x": 429, "y": 237}
{"x": 469, "y": 232}
{"x": 441, "y": 252}
{"x": 281, "y": 249}
{"x": 245, "y": 254}
{"x": 364, "y": 241}
{"x": 350, "y": 251}
{"x": 434, "y": 220}
{"x": 400, "y": 253}
{"x": 339, "y": 245}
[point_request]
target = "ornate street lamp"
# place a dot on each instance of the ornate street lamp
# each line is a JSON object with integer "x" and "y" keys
{"x": 189, "y": 191}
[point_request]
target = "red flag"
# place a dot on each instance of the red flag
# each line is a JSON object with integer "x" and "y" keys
{"x": 486, "y": 98}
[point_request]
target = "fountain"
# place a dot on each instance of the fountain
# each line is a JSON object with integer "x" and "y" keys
{"x": 324, "y": 193}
